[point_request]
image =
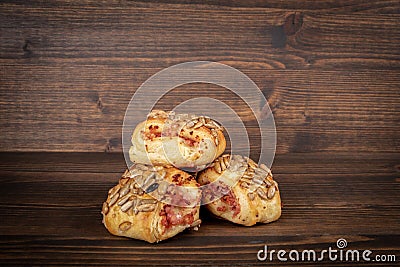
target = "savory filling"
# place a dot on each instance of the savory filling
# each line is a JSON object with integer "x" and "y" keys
{"x": 172, "y": 216}
{"x": 212, "y": 192}
{"x": 232, "y": 202}
{"x": 154, "y": 133}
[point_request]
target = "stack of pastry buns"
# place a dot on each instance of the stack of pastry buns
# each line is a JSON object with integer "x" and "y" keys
{"x": 177, "y": 166}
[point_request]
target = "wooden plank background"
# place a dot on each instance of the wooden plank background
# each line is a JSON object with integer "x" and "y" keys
{"x": 69, "y": 72}
{"x": 329, "y": 69}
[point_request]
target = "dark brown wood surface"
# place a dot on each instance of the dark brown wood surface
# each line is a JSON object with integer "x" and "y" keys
{"x": 330, "y": 72}
{"x": 51, "y": 202}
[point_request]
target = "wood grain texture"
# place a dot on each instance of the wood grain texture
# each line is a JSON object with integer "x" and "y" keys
{"x": 354, "y": 111}
{"x": 329, "y": 70}
{"x": 51, "y": 211}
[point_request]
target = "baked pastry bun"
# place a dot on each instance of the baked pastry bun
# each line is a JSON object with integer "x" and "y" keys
{"x": 249, "y": 193}
{"x": 152, "y": 203}
{"x": 185, "y": 141}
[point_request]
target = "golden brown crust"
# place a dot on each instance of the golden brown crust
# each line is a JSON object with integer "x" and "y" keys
{"x": 254, "y": 196}
{"x": 181, "y": 140}
{"x": 130, "y": 211}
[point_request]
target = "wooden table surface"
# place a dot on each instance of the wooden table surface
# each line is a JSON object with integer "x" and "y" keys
{"x": 330, "y": 72}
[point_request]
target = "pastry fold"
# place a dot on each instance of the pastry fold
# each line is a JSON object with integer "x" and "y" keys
{"x": 185, "y": 141}
{"x": 152, "y": 203}
{"x": 240, "y": 191}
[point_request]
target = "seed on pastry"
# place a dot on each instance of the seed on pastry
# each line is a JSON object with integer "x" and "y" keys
{"x": 146, "y": 208}
{"x": 124, "y": 180}
{"x": 226, "y": 160}
{"x": 123, "y": 200}
{"x": 198, "y": 125}
{"x": 271, "y": 192}
{"x": 104, "y": 208}
{"x": 190, "y": 124}
{"x": 114, "y": 190}
{"x": 144, "y": 201}
{"x": 140, "y": 191}
{"x": 127, "y": 206}
{"x": 124, "y": 190}
{"x": 162, "y": 188}
{"x": 268, "y": 182}
{"x": 138, "y": 214}
{"x": 125, "y": 226}
{"x": 244, "y": 184}
{"x": 152, "y": 187}
{"x": 222, "y": 164}
{"x": 254, "y": 198}
{"x": 261, "y": 193}
{"x": 217, "y": 167}
{"x": 180, "y": 140}
{"x": 114, "y": 199}
{"x": 258, "y": 180}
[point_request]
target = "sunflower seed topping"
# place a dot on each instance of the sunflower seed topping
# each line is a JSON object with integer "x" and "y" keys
{"x": 222, "y": 163}
{"x": 152, "y": 187}
{"x": 268, "y": 182}
{"x": 251, "y": 163}
{"x": 217, "y": 167}
{"x": 114, "y": 199}
{"x": 127, "y": 205}
{"x": 146, "y": 208}
{"x": 146, "y": 201}
{"x": 162, "y": 188}
{"x": 130, "y": 189}
{"x": 198, "y": 125}
{"x": 114, "y": 190}
{"x": 141, "y": 167}
{"x": 140, "y": 191}
{"x": 202, "y": 120}
{"x": 135, "y": 210}
{"x": 244, "y": 185}
{"x": 271, "y": 192}
{"x": 226, "y": 160}
{"x": 276, "y": 185}
{"x": 253, "y": 187}
{"x": 158, "y": 168}
{"x": 210, "y": 126}
{"x": 122, "y": 200}
{"x": 126, "y": 174}
{"x": 247, "y": 176}
{"x": 190, "y": 121}
{"x": 261, "y": 193}
{"x": 104, "y": 208}
{"x": 150, "y": 178}
{"x": 125, "y": 226}
{"x": 257, "y": 180}
{"x": 190, "y": 124}
{"x": 124, "y": 190}
{"x": 124, "y": 180}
